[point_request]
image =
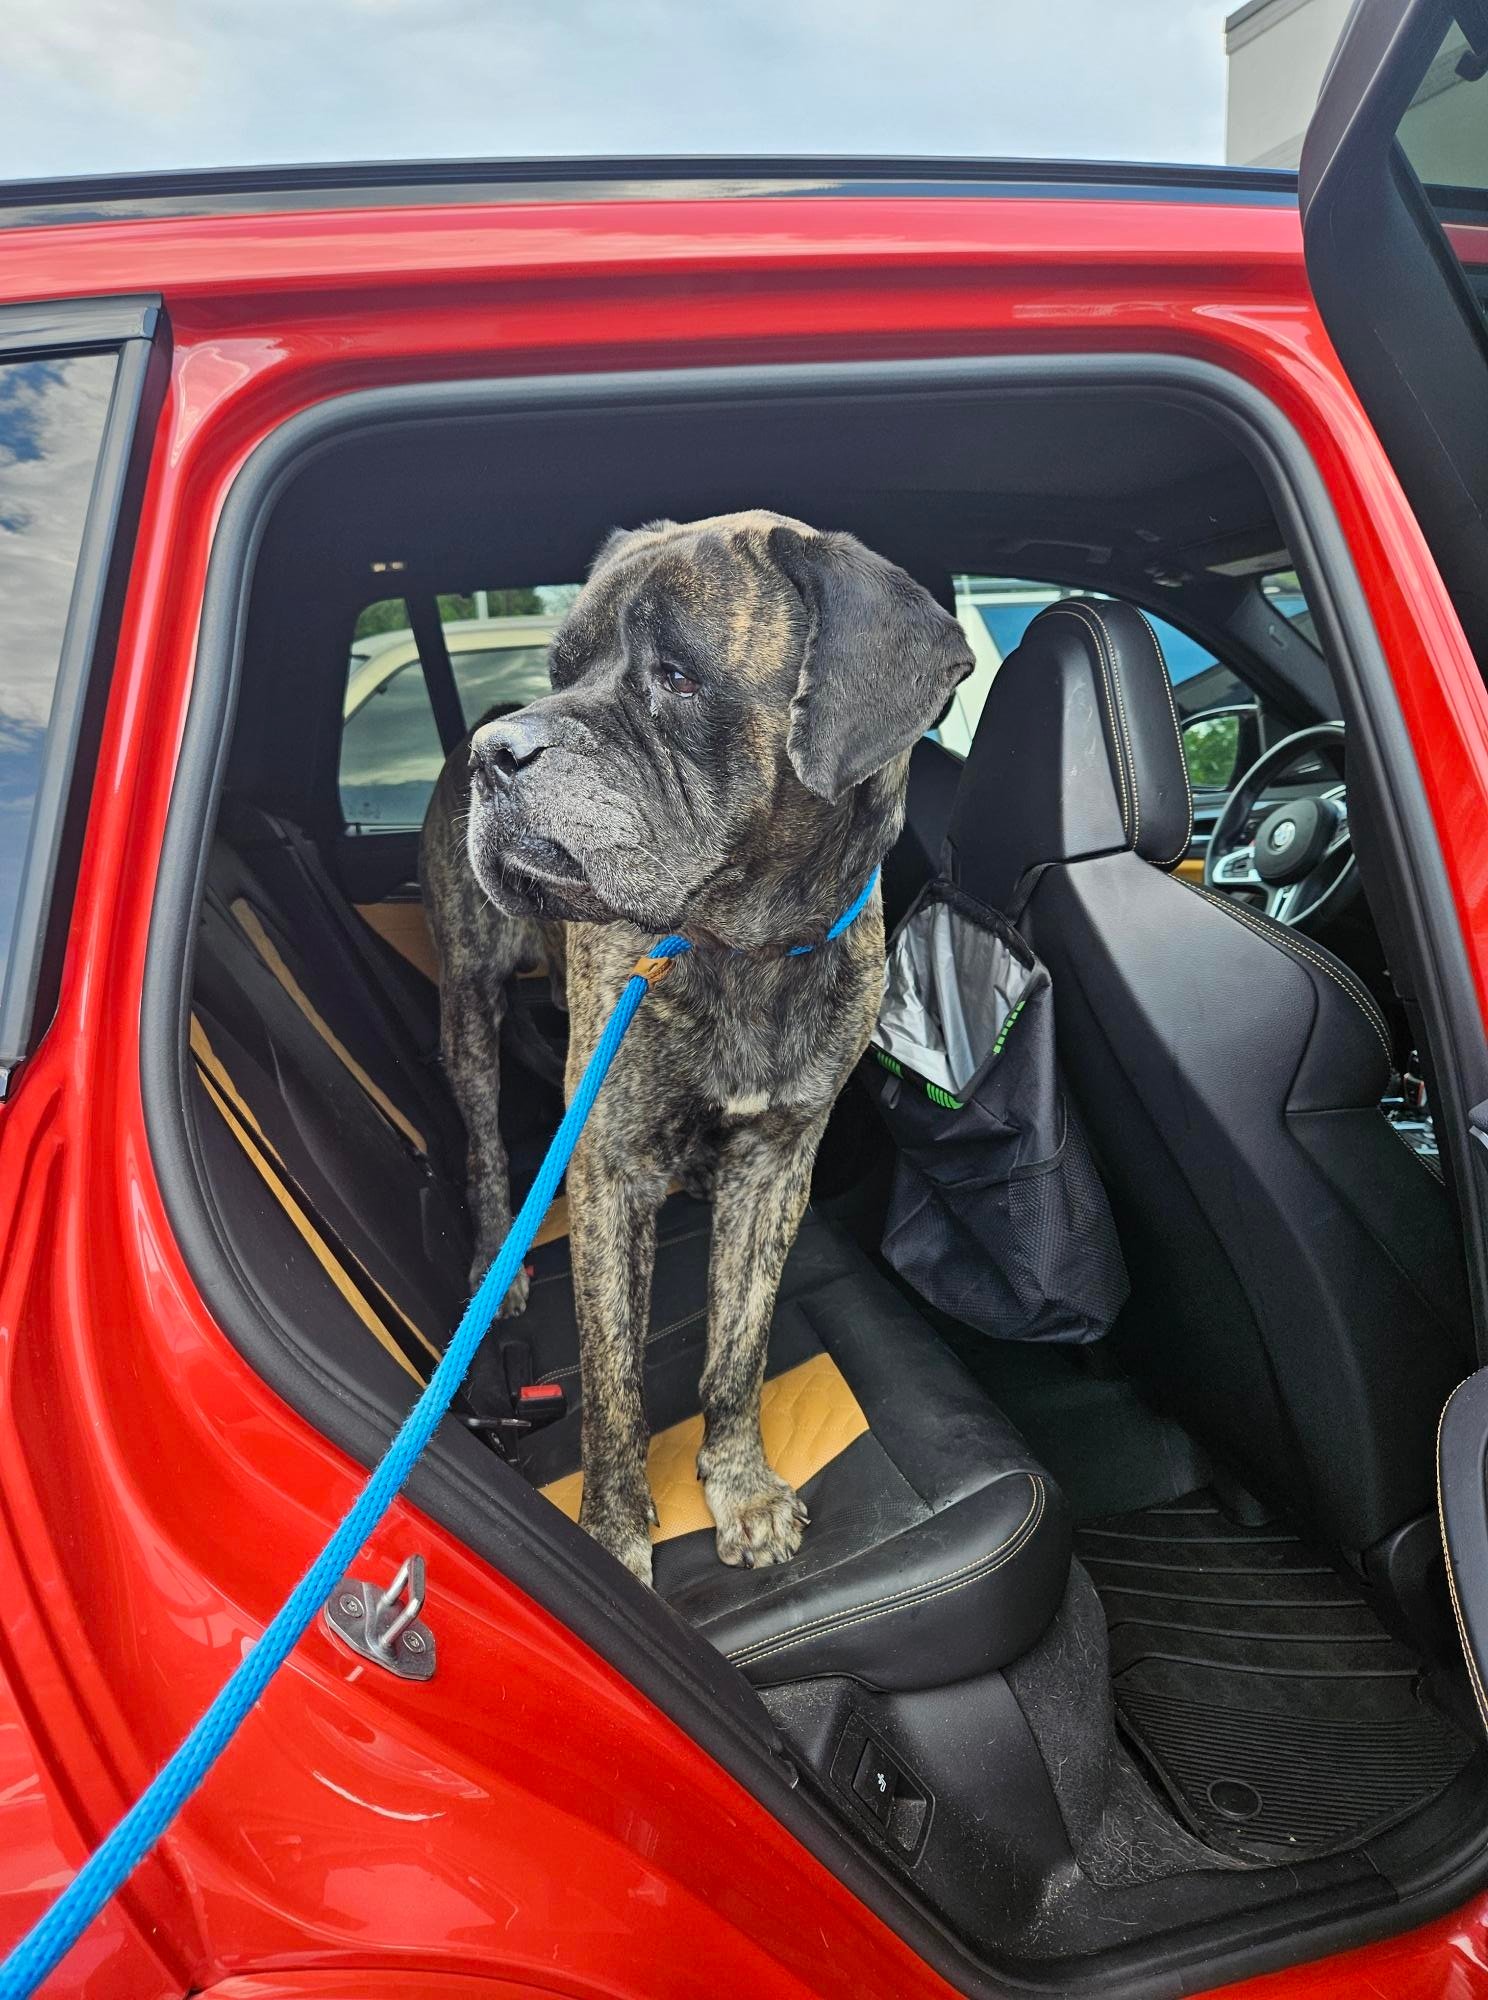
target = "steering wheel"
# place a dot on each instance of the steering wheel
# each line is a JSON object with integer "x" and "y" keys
{"x": 1300, "y": 857}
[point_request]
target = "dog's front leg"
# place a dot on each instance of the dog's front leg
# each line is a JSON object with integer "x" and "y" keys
{"x": 614, "y": 1249}
{"x": 759, "y": 1196}
{"x": 472, "y": 1004}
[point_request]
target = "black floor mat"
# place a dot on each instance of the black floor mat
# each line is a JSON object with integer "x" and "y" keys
{"x": 1262, "y": 1692}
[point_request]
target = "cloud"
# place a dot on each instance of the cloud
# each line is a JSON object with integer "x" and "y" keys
{"x": 98, "y": 85}
{"x": 51, "y": 421}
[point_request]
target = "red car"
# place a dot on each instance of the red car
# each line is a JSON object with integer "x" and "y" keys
{"x": 1125, "y": 1669}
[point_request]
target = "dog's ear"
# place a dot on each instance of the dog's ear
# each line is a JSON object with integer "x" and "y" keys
{"x": 882, "y": 659}
{"x": 618, "y": 540}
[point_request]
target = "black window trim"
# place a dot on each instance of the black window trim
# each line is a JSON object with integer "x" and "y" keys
{"x": 509, "y": 1525}
{"x": 133, "y": 329}
{"x": 1393, "y": 296}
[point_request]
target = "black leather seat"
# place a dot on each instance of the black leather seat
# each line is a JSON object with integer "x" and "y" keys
{"x": 1297, "y": 1293}
{"x": 938, "y": 1549}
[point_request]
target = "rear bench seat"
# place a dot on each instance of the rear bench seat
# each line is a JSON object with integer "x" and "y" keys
{"x": 937, "y": 1548}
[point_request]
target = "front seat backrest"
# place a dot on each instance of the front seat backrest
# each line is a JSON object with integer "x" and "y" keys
{"x": 1297, "y": 1296}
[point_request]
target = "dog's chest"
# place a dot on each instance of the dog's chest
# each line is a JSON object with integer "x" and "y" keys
{"x": 747, "y": 1040}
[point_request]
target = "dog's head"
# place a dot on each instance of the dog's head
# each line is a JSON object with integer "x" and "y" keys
{"x": 721, "y": 689}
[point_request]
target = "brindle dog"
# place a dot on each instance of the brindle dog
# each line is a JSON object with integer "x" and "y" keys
{"x": 724, "y": 754}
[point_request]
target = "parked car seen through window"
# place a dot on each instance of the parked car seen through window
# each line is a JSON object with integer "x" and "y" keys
{"x": 391, "y": 754}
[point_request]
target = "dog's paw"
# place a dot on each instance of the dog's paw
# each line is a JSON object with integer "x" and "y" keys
{"x": 624, "y": 1529}
{"x": 631, "y": 1546}
{"x": 760, "y": 1527}
{"x": 515, "y": 1301}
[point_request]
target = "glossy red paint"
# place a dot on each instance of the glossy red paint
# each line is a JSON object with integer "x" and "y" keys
{"x": 156, "y": 1499}
{"x": 1443, "y": 1961}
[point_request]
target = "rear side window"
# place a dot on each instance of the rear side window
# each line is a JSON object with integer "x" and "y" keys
{"x": 496, "y": 645}
{"x": 995, "y": 612}
{"x": 52, "y": 417}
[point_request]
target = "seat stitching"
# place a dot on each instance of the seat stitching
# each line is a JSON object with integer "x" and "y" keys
{"x": 907, "y": 1599}
{"x": 1076, "y": 611}
{"x": 1284, "y": 940}
{"x": 1131, "y": 814}
{"x": 1280, "y": 935}
{"x": 1131, "y": 754}
{"x": 1173, "y": 860}
{"x": 908, "y": 1595}
{"x": 1441, "y": 1522}
{"x": 656, "y": 1333}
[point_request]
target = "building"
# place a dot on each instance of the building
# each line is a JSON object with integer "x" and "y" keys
{"x": 1277, "y": 53}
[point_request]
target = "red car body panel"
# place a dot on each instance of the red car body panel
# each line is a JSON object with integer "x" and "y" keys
{"x": 527, "y": 1816}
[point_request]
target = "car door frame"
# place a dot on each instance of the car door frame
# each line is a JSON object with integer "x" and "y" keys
{"x": 1413, "y": 340}
{"x": 1391, "y": 291}
{"x": 136, "y": 330}
{"x": 505, "y": 1523}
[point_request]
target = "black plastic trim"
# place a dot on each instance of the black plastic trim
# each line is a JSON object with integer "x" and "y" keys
{"x": 502, "y": 1520}
{"x": 1393, "y": 296}
{"x": 129, "y": 327}
{"x": 377, "y": 183}
{"x": 35, "y": 328}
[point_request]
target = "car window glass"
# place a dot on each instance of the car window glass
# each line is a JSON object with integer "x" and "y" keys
{"x": 1283, "y": 592}
{"x": 52, "y": 416}
{"x": 1444, "y": 136}
{"x": 1442, "y": 133}
{"x": 391, "y": 754}
{"x": 506, "y": 678}
{"x": 1211, "y": 750}
{"x": 995, "y": 612}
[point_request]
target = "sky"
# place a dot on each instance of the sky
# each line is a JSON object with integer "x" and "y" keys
{"x": 93, "y": 86}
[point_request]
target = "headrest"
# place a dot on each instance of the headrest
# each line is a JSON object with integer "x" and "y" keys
{"x": 1077, "y": 753}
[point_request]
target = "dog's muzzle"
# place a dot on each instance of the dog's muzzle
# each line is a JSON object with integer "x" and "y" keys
{"x": 501, "y": 751}
{"x": 509, "y": 855}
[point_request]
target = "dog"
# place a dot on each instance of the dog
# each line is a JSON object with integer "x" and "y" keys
{"x": 724, "y": 754}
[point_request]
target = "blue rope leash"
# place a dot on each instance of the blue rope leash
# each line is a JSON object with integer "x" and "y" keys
{"x": 849, "y": 916}
{"x": 111, "y": 1864}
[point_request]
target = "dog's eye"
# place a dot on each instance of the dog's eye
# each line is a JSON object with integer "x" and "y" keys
{"x": 675, "y": 681}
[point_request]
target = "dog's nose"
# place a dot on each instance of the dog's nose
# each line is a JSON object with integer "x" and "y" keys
{"x": 501, "y": 749}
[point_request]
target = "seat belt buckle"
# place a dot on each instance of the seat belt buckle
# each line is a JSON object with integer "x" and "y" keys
{"x": 541, "y": 1403}
{"x": 535, "y": 1405}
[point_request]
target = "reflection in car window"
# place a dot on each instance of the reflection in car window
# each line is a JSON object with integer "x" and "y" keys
{"x": 1283, "y": 592}
{"x": 52, "y": 416}
{"x": 995, "y": 612}
{"x": 1444, "y": 135}
{"x": 1442, "y": 132}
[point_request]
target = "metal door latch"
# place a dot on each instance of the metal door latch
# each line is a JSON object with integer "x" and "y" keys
{"x": 383, "y": 1626}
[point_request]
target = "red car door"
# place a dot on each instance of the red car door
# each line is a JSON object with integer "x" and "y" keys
{"x": 1394, "y": 191}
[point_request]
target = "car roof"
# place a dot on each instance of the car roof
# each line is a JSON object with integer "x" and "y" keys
{"x": 455, "y": 183}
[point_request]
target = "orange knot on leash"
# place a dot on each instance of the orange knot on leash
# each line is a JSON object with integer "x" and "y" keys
{"x": 652, "y": 970}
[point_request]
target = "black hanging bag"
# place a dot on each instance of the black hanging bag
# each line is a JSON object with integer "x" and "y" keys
{"x": 997, "y": 1214}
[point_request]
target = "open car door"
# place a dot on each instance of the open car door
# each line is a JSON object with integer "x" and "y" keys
{"x": 1394, "y": 193}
